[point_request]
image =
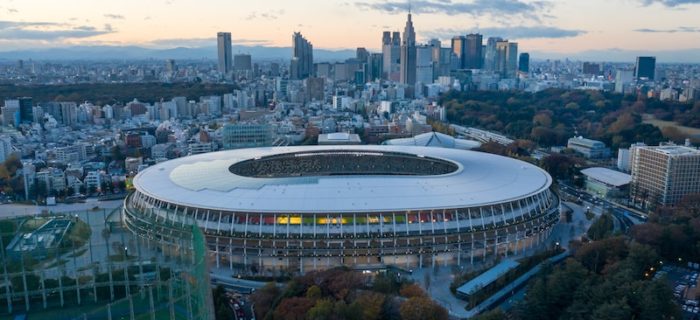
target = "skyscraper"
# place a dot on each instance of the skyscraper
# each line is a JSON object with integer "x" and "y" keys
{"x": 375, "y": 66}
{"x": 242, "y": 62}
{"x": 645, "y": 68}
{"x": 458, "y": 51}
{"x": 408, "y": 53}
{"x": 491, "y": 53}
{"x": 472, "y": 52}
{"x": 506, "y": 58}
{"x": 223, "y": 40}
{"x": 26, "y": 109}
{"x": 424, "y": 64}
{"x": 302, "y": 57}
{"x": 524, "y": 62}
{"x": 391, "y": 52}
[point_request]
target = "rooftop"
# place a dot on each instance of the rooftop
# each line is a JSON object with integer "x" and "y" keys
{"x": 487, "y": 277}
{"x": 674, "y": 150}
{"x": 206, "y": 181}
{"x": 607, "y": 176}
{"x": 434, "y": 139}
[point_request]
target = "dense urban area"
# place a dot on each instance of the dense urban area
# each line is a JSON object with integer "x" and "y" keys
{"x": 619, "y": 140}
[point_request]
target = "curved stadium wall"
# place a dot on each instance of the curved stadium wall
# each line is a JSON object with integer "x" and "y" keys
{"x": 305, "y": 208}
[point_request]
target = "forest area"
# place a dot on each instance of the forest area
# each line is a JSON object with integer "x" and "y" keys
{"x": 551, "y": 117}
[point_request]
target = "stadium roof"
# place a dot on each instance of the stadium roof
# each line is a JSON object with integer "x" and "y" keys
{"x": 487, "y": 277}
{"x": 607, "y": 176}
{"x": 434, "y": 139}
{"x": 205, "y": 181}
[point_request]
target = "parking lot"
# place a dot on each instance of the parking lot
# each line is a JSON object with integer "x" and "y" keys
{"x": 684, "y": 281}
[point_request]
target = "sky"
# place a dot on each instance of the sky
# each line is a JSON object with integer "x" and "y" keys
{"x": 557, "y": 26}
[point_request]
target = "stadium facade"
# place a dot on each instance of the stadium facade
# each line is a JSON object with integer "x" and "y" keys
{"x": 305, "y": 208}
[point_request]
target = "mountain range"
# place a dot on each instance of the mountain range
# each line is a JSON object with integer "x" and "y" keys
{"x": 283, "y": 53}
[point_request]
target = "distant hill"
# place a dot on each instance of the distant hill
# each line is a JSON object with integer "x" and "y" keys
{"x": 179, "y": 53}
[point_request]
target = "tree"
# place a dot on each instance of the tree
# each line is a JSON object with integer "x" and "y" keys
{"x": 412, "y": 290}
{"x": 371, "y": 305}
{"x": 222, "y": 309}
{"x": 264, "y": 298}
{"x": 422, "y": 308}
{"x": 294, "y": 308}
{"x": 322, "y": 310}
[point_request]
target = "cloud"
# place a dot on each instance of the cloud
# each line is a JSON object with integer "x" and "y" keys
{"x": 114, "y": 16}
{"x": 267, "y": 15}
{"x": 511, "y": 32}
{"x": 200, "y": 42}
{"x": 532, "y": 10}
{"x": 676, "y": 30}
{"x": 670, "y": 3}
{"x": 47, "y": 31}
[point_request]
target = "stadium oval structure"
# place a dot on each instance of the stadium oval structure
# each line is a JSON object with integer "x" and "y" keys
{"x": 304, "y": 208}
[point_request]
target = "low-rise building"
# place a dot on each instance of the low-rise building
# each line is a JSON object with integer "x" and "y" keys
{"x": 591, "y": 149}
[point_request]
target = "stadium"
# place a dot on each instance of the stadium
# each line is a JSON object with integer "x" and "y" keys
{"x": 304, "y": 208}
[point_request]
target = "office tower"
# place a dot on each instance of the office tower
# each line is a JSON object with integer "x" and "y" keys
{"x": 302, "y": 57}
{"x": 491, "y": 53}
{"x": 524, "y": 62}
{"x": 362, "y": 55}
{"x": 242, "y": 62}
{"x": 458, "y": 51}
{"x": 645, "y": 68}
{"x": 622, "y": 79}
{"x": 408, "y": 53}
{"x": 315, "y": 89}
{"x": 375, "y": 66}
{"x": 223, "y": 41}
{"x": 69, "y": 113}
{"x": 506, "y": 58}
{"x": 26, "y": 109}
{"x": 591, "y": 68}
{"x": 10, "y": 113}
{"x": 391, "y": 52}
{"x": 663, "y": 175}
{"x": 170, "y": 67}
{"x": 472, "y": 51}
{"x": 5, "y": 148}
{"x": 424, "y": 64}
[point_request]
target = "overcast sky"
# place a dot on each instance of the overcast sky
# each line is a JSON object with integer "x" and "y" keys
{"x": 561, "y": 26}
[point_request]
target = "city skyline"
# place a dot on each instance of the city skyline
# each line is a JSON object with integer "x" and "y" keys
{"x": 540, "y": 26}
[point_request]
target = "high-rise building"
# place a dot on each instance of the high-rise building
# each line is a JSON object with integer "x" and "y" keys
{"x": 491, "y": 53}
{"x": 622, "y": 79}
{"x": 375, "y": 66}
{"x": 315, "y": 89}
{"x": 506, "y": 58}
{"x": 472, "y": 51}
{"x": 26, "y": 109}
{"x": 391, "y": 52}
{"x": 223, "y": 41}
{"x": 242, "y": 62}
{"x": 5, "y": 148}
{"x": 663, "y": 175}
{"x": 302, "y": 63}
{"x": 524, "y": 62}
{"x": 424, "y": 64}
{"x": 645, "y": 68}
{"x": 10, "y": 113}
{"x": 441, "y": 59}
{"x": 408, "y": 53}
{"x": 170, "y": 66}
{"x": 590, "y": 68}
{"x": 458, "y": 51}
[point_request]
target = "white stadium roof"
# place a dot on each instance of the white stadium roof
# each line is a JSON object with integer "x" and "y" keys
{"x": 435, "y": 139}
{"x": 204, "y": 181}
